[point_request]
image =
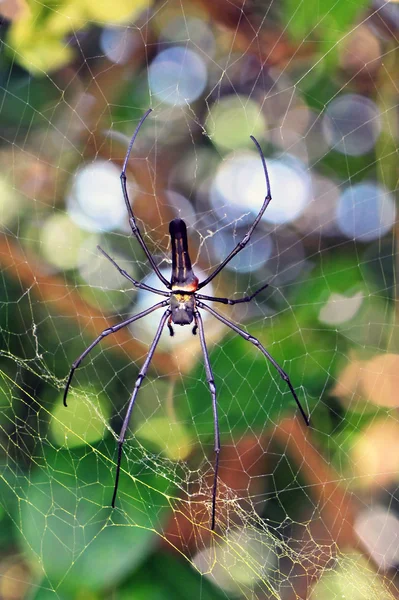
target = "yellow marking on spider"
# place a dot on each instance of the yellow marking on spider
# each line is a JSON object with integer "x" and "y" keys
{"x": 182, "y": 297}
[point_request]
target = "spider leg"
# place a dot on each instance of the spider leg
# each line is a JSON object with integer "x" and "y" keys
{"x": 139, "y": 380}
{"x": 137, "y": 284}
{"x": 246, "y": 237}
{"x": 132, "y": 220}
{"x": 257, "y": 343}
{"x": 102, "y": 335}
{"x": 229, "y": 301}
{"x": 171, "y": 330}
{"x": 212, "y": 388}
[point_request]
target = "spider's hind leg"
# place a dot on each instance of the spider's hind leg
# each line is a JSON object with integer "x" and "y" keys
{"x": 212, "y": 388}
{"x": 142, "y": 374}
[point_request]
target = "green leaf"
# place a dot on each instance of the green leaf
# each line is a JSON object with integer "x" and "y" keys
{"x": 328, "y": 19}
{"x": 165, "y": 576}
{"x": 83, "y": 422}
{"x": 337, "y": 272}
{"x": 25, "y": 101}
{"x": 68, "y": 525}
{"x": 328, "y": 22}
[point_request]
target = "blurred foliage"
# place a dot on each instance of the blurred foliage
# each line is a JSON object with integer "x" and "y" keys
{"x": 57, "y": 524}
{"x": 353, "y": 579}
{"x": 37, "y": 37}
{"x": 57, "y": 467}
{"x": 326, "y": 22}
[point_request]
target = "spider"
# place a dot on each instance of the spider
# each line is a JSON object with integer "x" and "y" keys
{"x": 182, "y": 305}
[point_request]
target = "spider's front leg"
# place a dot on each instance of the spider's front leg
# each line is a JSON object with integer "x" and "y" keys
{"x": 132, "y": 220}
{"x": 241, "y": 245}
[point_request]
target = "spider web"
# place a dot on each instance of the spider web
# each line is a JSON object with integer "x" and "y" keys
{"x": 301, "y": 512}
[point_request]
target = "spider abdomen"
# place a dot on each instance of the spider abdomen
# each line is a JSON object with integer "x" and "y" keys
{"x": 182, "y": 273}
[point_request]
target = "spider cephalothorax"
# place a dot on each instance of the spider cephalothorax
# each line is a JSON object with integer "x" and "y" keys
{"x": 182, "y": 304}
{"x": 182, "y": 307}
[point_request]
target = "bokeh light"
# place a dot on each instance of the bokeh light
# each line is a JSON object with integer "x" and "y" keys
{"x": 351, "y": 578}
{"x": 104, "y": 285}
{"x": 352, "y": 124}
{"x": 378, "y": 530}
{"x": 181, "y": 207}
{"x": 374, "y": 380}
{"x": 362, "y": 49}
{"x": 95, "y": 201}
{"x": 257, "y": 252}
{"x": 246, "y": 116}
{"x": 63, "y": 243}
{"x": 190, "y": 30}
{"x": 319, "y": 217}
{"x": 366, "y": 211}
{"x": 118, "y": 44}
{"x": 177, "y": 76}
{"x": 240, "y": 184}
{"x": 231, "y": 569}
{"x": 339, "y": 308}
{"x": 373, "y": 466}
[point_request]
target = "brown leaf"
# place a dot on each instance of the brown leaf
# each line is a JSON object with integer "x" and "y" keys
{"x": 380, "y": 380}
{"x": 375, "y": 380}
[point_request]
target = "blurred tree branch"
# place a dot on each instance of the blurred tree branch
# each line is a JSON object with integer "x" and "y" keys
{"x": 262, "y": 38}
{"x": 57, "y": 294}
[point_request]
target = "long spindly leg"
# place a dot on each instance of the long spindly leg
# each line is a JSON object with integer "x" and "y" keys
{"x": 102, "y": 335}
{"x": 138, "y": 284}
{"x": 132, "y": 220}
{"x": 257, "y": 343}
{"x": 232, "y": 302}
{"x": 212, "y": 388}
{"x": 246, "y": 237}
{"x": 139, "y": 380}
